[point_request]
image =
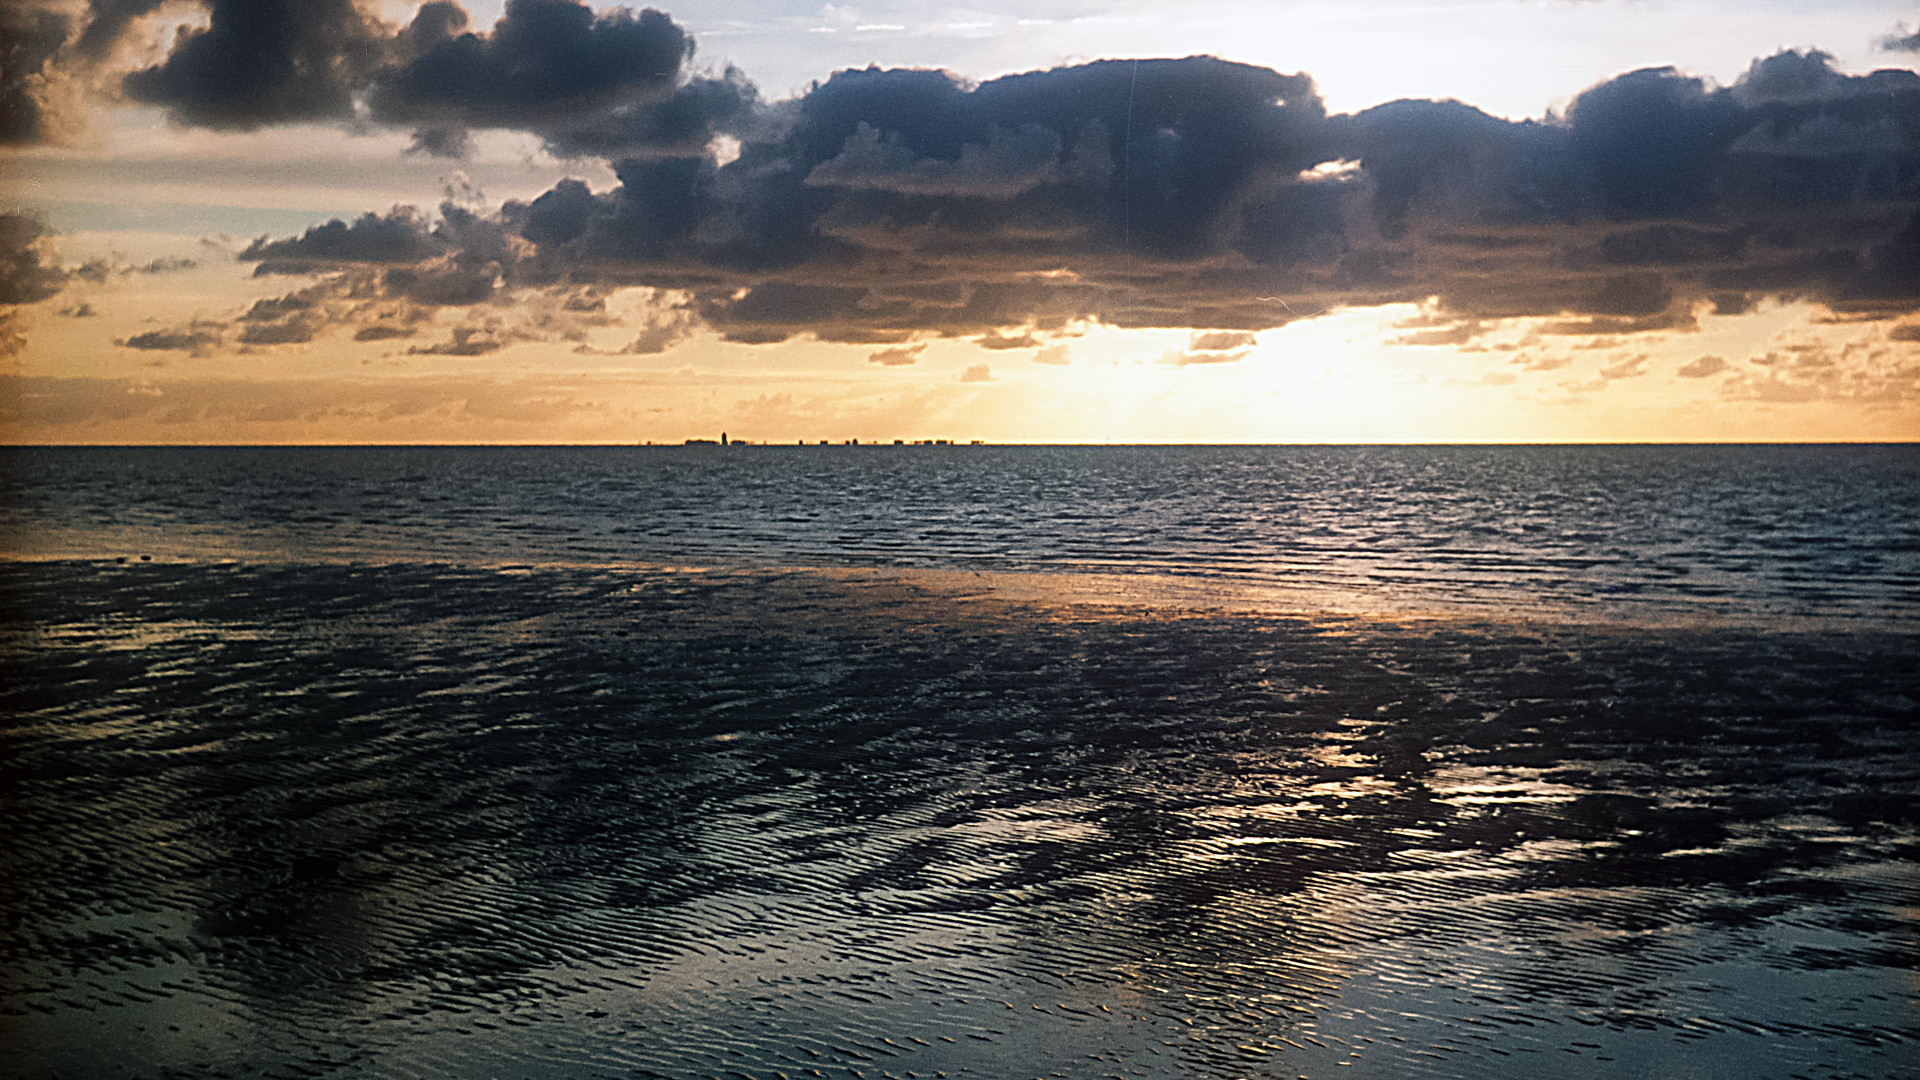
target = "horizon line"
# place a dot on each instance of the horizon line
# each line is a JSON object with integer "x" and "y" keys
{"x": 888, "y": 444}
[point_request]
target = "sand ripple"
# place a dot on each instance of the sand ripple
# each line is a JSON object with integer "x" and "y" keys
{"x": 427, "y": 821}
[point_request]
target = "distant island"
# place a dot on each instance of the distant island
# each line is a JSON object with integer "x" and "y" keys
{"x": 724, "y": 440}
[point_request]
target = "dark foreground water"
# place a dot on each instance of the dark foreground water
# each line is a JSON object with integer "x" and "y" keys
{"x": 417, "y": 767}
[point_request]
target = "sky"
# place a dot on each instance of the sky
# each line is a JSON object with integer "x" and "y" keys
{"x": 1059, "y": 221}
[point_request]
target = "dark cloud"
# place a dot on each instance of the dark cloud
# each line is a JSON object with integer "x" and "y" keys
{"x": 29, "y": 39}
{"x": 662, "y": 330}
{"x": 464, "y": 341}
{"x": 977, "y": 373}
{"x": 12, "y": 341}
{"x": 274, "y": 309}
{"x": 446, "y": 141}
{"x": 264, "y": 62}
{"x": 560, "y": 215}
{"x": 381, "y": 302}
{"x": 24, "y": 279}
{"x": 1901, "y": 41}
{"x": 543, "y": 56}
{"x": 683, "y": 124}
{"x": 107, "y": 23}
{"x": 613, "y": 83}
{"x": 198, "y": 337}
{"x": 883, "y": 206}
{"x": 293, "y": 319}
{"x": 95, "y": 271}
{"x": 1786, "y": 183}
{"x": 294, "y": 331}
{"x": 898, "y": 356}
{"x": 167, "y": 265}
{"x": 443, "y": 286}
{"x": 1006, "y": 164}
{"x": 400, "y": 236}
{"x": 382, "y": 333}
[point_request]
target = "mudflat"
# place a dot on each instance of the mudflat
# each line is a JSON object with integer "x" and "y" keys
{"x": 434, "y": 819}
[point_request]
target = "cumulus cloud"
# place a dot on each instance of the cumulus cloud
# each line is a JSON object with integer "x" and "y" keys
{"x": 882, "y": 207}
{"x": 684, "y": 124}
{"x": 1054, "y": 356}
{"x": 12, "y": 341}
{"x": 662, "y": 327}
{"x": 977, "y": 373}
{"x": 612, "y": 83}
{"x": 1901, "y": 40}
{"x": 108, "y": 21}
{"x": 383, "y": 332}
{"x": 24, "y": 277}
{"x": 1210, "y": 347}
{"x": 261, "y": 62}
{"x": 292, "y": 319}
{"x": 466, "y": 341}
{"x": 378, "y": 303}
{"x": 1631, "y": 367}
{"x": 885, "y": 206}
{"x": 1859, "y": 371}
{"x": 1005, "y": 165}
{"x": 615, "y": 82}
{"x": 1018, "y": 339}
{"x": 1701, "y": 367}
{"x": 199, "y": 337}
{"x": 543, "y": 57}
{"x": 399, "y": 236}
{"x": 1219, "y": 341}
{"x": 896, "y": 357}
{"x": 29, "y": 39}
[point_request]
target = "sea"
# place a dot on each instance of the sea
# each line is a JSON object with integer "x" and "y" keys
{"x": 883, "y": 762}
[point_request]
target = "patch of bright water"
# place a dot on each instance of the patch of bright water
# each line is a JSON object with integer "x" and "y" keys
{"x": 1751, "y": 534}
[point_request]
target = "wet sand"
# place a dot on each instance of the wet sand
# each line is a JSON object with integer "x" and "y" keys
{"x": 413, "y": 820}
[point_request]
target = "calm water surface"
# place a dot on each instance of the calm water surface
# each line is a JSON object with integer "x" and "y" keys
{"x": 1753, "y": 531}
{"x": 1517, "y": 762}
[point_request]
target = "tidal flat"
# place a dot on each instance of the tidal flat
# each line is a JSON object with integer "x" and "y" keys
{"x": 438, "y": 820}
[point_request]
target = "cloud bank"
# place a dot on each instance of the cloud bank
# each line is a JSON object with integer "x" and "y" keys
{"x": 886, "y": 206}
{"x": 613, "y": 81}
{"x": 1200, "y": 193}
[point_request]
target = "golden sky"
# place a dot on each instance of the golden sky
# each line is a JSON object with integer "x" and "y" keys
{"x": 270, "y": 221}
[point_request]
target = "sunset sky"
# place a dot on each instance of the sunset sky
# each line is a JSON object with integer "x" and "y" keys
{"x": 310, "y": 221}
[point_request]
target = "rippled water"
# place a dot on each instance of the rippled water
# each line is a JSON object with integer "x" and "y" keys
{"x": 450, "y": 782}
{"x": 1627, "y": 531}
